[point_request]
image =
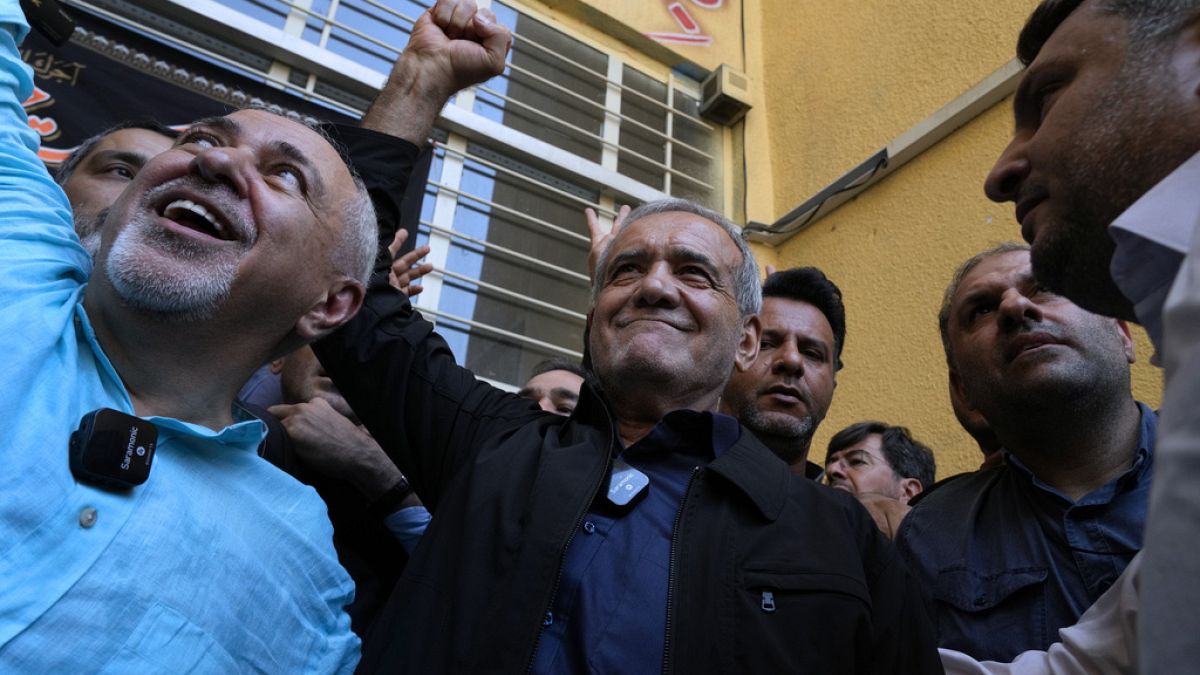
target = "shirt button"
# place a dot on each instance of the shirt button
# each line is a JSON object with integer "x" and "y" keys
{"x": 589, "y": 527}
{"x": 549, "y": 619}
{"x": 87, "y": 517}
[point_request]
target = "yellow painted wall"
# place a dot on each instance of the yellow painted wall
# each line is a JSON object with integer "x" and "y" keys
{"x": 840, "y": 80}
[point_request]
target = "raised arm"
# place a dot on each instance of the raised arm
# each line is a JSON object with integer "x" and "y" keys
{"x": 397, "y": 374}
{"x": 40, "y": 246}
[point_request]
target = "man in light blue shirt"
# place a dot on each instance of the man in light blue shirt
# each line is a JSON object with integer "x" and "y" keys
{"x": 247, "y": 239}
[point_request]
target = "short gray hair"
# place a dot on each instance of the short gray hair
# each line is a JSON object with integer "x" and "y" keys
{"x": 354, "y": 254}
{"x": 952, "y": 290}
{"x": 747, "y": 287}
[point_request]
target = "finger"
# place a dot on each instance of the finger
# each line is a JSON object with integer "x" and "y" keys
{"x": 442, "y": 12}
{"x": 495, "y": 38}
{"x": 593, "y": 223}
{"x": 622, "y": 213}
{"x": 409, "y": 259}
{"x": 405, "y": 270}
{"x": 413, "y": 289}
{"x": 770, "y": 270}
{"x": 397, "y": 243}
{"x": 421, "y": 270}
{"x": 282, "y": 410}
{"x": 461, "y": 20}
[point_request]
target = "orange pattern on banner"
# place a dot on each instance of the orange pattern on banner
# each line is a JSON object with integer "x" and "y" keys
{"x": 45, "y": 126}
{"x": 37, "y": 97}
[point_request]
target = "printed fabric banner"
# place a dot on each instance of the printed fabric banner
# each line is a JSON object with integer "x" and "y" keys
{"x": 107, "y": 74}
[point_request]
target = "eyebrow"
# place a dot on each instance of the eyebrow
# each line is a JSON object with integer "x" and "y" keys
{"x": 222, "y": 124}
{"x": 802, "y": 340}
{"x": 847, "y": 454}
{"x": 684, "y": 254}
{"x": 136, "y": 159}
{"x": 625, "y": 256}
{"x": 563, "y": 392}
{"x": 313, "y": 177}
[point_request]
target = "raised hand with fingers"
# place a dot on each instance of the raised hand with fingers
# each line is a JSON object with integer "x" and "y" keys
{"x": 453, "y": 45}
{"x": 405, "y": 271}
{"x": 600, "y": 235}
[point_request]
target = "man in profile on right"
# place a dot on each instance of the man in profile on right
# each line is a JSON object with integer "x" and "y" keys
{"x": 1103, "y": 169}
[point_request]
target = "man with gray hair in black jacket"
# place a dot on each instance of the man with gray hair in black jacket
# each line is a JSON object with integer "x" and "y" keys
{"x": 646, "y": 532}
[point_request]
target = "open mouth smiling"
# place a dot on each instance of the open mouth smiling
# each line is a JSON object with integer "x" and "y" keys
{"x": 193, "y": 216}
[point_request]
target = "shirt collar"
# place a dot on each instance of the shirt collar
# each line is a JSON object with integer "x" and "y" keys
{"x": 706, "y": 434}
{"x": 1147, "y": 437}
{"x": 246, "y": 433}
{"x": 1152, "y": 237}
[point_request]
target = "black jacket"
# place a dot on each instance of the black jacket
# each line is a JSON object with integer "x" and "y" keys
{"x": 509, "y": 485}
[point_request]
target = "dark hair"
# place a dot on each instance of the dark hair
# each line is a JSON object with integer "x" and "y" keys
{"x": 956, "y": 281}
{"x": 85, "y": 148}
{"x": 908, "y": 457}
{"x": 1149, "y": 20}
{"x": 809, "y": 284}
{"x": 558, "y": 364}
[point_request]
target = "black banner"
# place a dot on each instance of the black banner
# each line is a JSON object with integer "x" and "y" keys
{"x": 108, "y": 74}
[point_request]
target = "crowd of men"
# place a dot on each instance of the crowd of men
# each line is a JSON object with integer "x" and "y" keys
{"x": 329, "y": 490}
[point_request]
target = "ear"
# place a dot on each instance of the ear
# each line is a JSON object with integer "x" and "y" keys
{"x": 958, "y": 393}
{"x": 909, "y": 488}
{"x": 1185, "y": 59}
{"x": 340, "y": 302}
{"x": 1126, "y": 340}
{"x": 747, "y": 349}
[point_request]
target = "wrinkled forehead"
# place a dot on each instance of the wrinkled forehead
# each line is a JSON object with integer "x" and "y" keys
{"x": 676, "y": 232}
{"x": 265, "y": 129}
{"x": 871, "y": 446}
{"x": 784, "y": 314}
{"x": 142, "y": 142}
{"x": 1001, "y": 270}
{"x": 555, "y": 379}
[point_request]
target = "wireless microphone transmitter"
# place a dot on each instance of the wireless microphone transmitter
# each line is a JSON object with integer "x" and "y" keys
{"x": 50, "y": 19}
{"x": 112, "y": 449}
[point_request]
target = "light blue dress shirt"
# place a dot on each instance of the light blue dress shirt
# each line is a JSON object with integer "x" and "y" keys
{"x": 219, "y": 563}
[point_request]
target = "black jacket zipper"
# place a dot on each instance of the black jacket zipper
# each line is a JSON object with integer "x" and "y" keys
{"x": 673, "y": 561}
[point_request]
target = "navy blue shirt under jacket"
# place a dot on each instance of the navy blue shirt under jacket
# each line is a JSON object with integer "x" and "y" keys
{"x": 610, "y": 610}
{"x": 1010, "y": 560}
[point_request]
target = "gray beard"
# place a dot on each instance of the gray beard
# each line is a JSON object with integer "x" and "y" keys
{"x": 159, "y": 273}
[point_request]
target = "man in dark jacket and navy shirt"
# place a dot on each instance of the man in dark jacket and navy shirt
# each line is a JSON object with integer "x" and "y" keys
{"x": 645, "y": 532}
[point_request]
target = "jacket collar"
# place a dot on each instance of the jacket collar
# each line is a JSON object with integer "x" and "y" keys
{"x": 748, "y": 465}
{"x": 757, "y": 472}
